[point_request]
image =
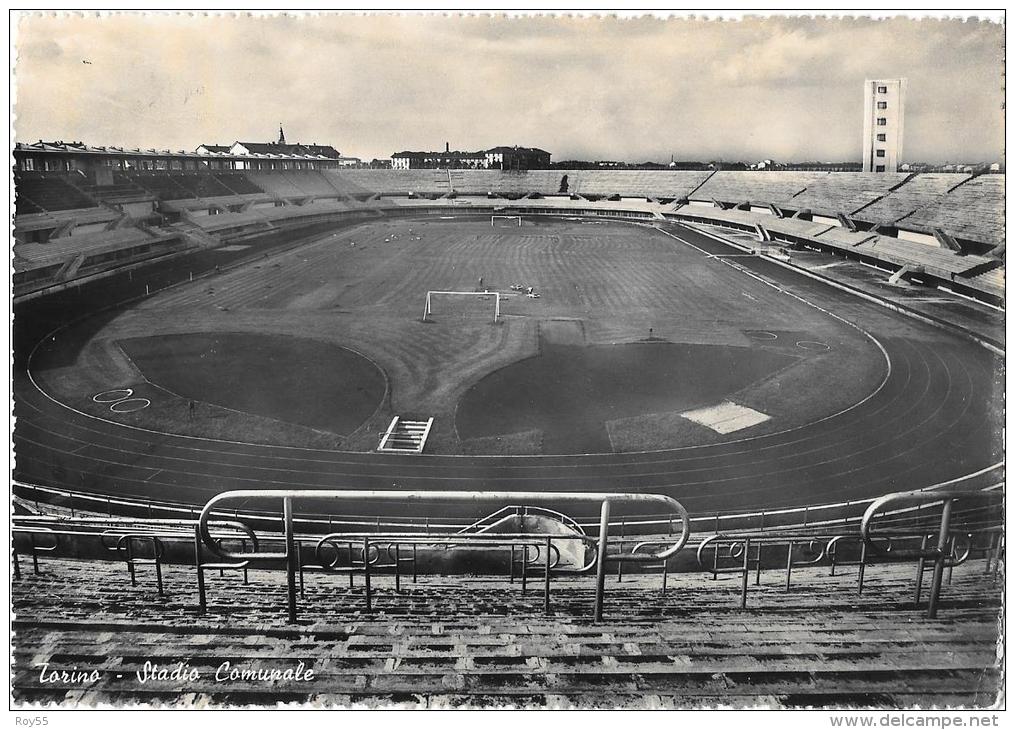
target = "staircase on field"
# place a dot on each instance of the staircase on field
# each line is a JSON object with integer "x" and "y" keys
{"x": 405, "y": 437}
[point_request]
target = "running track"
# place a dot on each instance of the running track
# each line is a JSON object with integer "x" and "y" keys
{"x": 936, "y": 417}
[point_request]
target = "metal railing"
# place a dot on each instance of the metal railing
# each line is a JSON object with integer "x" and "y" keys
{"x": 946, "y": 550}
{"x": 897, "y": 528}
{"x": 289, "y": 556}
{"x": 828, "y": 516}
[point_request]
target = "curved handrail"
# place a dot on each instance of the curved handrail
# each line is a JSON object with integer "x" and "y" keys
{"x": 461, "y": 497}
{"x": 916, "y": 497}
{"x": 942, "y": 552}
{"x": 349, "y": 545}
{"x": 290, "y": 555}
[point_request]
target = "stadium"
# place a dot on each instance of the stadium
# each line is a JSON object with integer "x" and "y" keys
{"x": 460, "y": 437}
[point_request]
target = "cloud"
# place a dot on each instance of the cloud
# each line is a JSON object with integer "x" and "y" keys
{"x": 599, "y": 87}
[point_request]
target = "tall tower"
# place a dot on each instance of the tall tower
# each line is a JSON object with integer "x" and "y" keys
{"x": 281, "y": 135}
{"x": 883, "y": 107}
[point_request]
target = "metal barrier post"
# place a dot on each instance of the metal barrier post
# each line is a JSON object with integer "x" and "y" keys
{"x": 414, "y": 562}
{"x": 511, "y": 565}
{"x": 620, "y": 563}
{"x": 35, "y": 557}
{"x": 351, "y": 574}
{"x": 366, "y": 570}
{"x": 939, "y": 558}
{"x": 17, "y": 565}
{"x": 299, "y": 565}
{"x": 546, "y": 587}
{"x": 666, "y": 567}
{"x": 130, "y": 564}
{"x": 525, "y": 567}
{"x": 919, "y": 572}
{"x": 863, "y": 568}
{"x": 156, "y": 546}
{"x": 604, "y": 531}
{"x": 789, "y": 564}
{"x": 202, "y": 605}
{"x": 398, "y": 571}
{"x": 746, "y": 572}
{"x": 757, "y": 567}
{"x": 290, "y": 556}
{"x": 951, "y": 553}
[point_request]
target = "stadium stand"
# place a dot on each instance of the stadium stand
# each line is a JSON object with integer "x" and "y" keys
{"x": 71, "y": 257}
{"x": 972, "y": 211}
{"x": 123, "y": 189}
{"x": 238, "y": 183}
{"x": 162, "y": 185}
{"x": 277, "y": 184}
{"x": 843, "y": 192}
{"x": 729, "y": 624}
{"x": 295, "y": 185}
{"x": 968, "y": 210}
{"x": 759, "y": 188}
{"x": 395, "y": 182}
{"x": 41, "y": 192}
{"x": 469, "y": 641}
{"x": 917, "y": 192}
{"x": 202, "y": 185}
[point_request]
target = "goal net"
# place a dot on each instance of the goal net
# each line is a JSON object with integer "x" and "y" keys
{"x": 506, "y": 221}
{"x": 461, "y": 305}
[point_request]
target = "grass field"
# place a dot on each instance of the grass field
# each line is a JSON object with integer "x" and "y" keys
{"x": 694, "y": 332}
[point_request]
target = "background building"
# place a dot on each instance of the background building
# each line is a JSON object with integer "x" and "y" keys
{"x": 883, "y": 106}
{"x": 498, "y": 158}
{"x": 517, "y": 158}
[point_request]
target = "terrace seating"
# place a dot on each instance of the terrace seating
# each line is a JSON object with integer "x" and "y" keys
{"x": 61, "y": 259}
{"x": 470, "y": 639}
{"x": 757, "y": 188}
{"x": 277, "y": 184}
{"x": 973, "y": 211}
{"x": 633, "y": 183}
{"x": 939, "y": 261}
{"x": 917, "y": 192}
{"x": 991, "y": 281}
{"x": 238, "y": 183}
{"x": 732, "y": 629}
{"x": 311, "y": 182}
{"x": 162, "y": 185}
{"x": 396, "y": 182}
{"x": 38, "y": 194}
{"x": 842, "y": 192}
{"x": 202, "y": 185}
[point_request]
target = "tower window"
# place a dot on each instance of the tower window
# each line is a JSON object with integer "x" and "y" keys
{"x": 882, "y": 89}
{"x": 882, "y": 137}
{"x": 880, "y": 153}
{"x": 882, "y": 105}
{"x": 882, "y": 121}
{"x": 879, "y": 168}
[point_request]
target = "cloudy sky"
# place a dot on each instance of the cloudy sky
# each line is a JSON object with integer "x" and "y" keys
{"x": 583, "y": 88}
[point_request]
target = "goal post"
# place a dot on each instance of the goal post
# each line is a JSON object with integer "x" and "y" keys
{"x": 428, "y": 308}
{"x": 495, "y": 218}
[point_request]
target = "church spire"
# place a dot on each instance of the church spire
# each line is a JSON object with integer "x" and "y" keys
{"x": 281, "y": 135}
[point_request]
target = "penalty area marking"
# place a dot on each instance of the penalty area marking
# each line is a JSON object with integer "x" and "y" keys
{"x": 102, "y": 397}
{"x": 726, "y": 417}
